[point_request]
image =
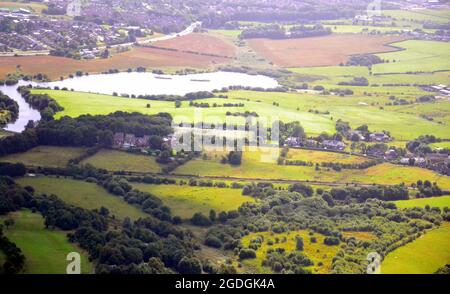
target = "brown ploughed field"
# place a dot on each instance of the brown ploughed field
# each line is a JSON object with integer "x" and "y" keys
{"x": 199, "y": 43}
{"x": 54, "y": 66}
{"x": 321, "y": 51}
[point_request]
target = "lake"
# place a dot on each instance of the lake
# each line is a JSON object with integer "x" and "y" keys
{"x": 154, "y": 84}
{"x": 137, "y": 84}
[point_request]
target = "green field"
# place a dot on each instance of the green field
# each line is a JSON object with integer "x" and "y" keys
{"x": 113, "y": 160}
{"x": 317, "y": 252}
{"x": 50, "y": 156}
{"x": 424, "y": 255}
{"x": 254, "y": 166}
{"x": 185, "y": 200}
{"x": 441, "y": 202}
{"x": 293, "y": 106}
{"x": 439, "y": 16}
{"x": 418, "y": 56}
{"x": 83, "y": 194}
{"x": 320, "y": 156}
{"x": 45, "y": 250}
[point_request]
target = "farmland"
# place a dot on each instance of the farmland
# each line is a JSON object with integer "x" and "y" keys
{"x": 113, "y": 160}
{"x": 199, "y": 43}
{"x": 320, "y": 51}
{"x": 441, "y": 202}
{"x": 83, "y": 194}
{"x": 45, "y": 156}
{"x": 139, "y": 56}
{"x": 253, "y": 168}
{"x": 417, "y": 258}
{"x": 347, "y": 108}
{"x": 319, "y": 253}
{"x": 45, "y": 250}
{"x": 417, "y": 56}
{"x": 319, "y": 156}
{"x": 184, "y": 200}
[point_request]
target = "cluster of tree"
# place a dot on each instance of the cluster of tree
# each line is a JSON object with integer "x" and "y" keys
{"x": 14, "y": 258}
{"x": 258, "y": 190}
{"x": 9, "y": 82}
{"x": 303, "y": 31}
{"x": 356, "y": 81}
{"x": 287, "y": 263}
{"x": 233, "y": 158}
{"x": 277, "y": 32}
{"x": 360, "y": 195}
{"x": 46, "y": 105}
{"x": 147, "y": 245}
{"x": 342, "y": 92}
{"x": 88, "y": 130}
{"x": 243, "y": 114}
{"x": 168, "y": 97}
{"x": 329, "y": 215}
{"x": 426, "y": 98}
{"x": 363, "y": 60}
{"x": 12, "y": 169}
{"x": 427, "y": 189}
{"x": 53, "y": 9}
{"x": 9, "y": 109}
{"x": 420, "y": 145}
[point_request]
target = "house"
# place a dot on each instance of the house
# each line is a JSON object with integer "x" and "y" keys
{"x": 293, "y": 142}
{"x": 333, "y": 144}
{"x": 118, "y": 139}
{"x": 379, "y": 137}
{"x": 310, "y": 143}
{"x": 142, "y": 142}
{"x": 390, "y": 154}
{"x": 353, "y": 134}
{"x": 129, "y": 141}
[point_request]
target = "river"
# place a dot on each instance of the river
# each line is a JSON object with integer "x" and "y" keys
{"x": 137, "y": 84}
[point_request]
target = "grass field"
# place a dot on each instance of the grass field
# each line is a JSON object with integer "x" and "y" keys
{"x": 184, "y": 201}
{"x": 55, "y": 67}
{"x": 51, "y": 156}
{"x": 426, "y": 15}
{"x": 320, "y": 51}
{"x": 317, "y": 252}
{"x": 253, "y": 167}
{"x": 363, "y": 236}
{"x": 113, "y": 160}
{"x": 320, "y": 156}
{"x": 418, "y": 56}
{"x": 83, "y": 194}
{"x": 441, "y": 202}
{"x": 424, "y": 255}
{"x": 36, "y": 7}
{"x": 347, "y": 108}
{"x": 45, "y": 250}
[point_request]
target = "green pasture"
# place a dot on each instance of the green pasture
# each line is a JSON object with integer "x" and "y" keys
{"x": 50, "y": 156}
{"x": 441, "y": 202}
{"x": 317, "y": 252}
{"x": 186, "y": 200}
{"x": 424, "y": 255}
{"x": 83, "y": 194}
{"x": 45, "y": 250}
{"x": 114, "y": 160}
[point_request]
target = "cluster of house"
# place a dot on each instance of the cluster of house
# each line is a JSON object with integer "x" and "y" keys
{"x": 296, "y": 142}
{"x": 443, "y": 90}
{"x": 129, "y": 141}
{"x": 45, "y": 34}
{"x": 379, "y": 137}
{"x": 434, "y": 161}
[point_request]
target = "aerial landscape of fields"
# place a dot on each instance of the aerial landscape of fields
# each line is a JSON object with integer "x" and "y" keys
{"x": 225, "y": 137}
